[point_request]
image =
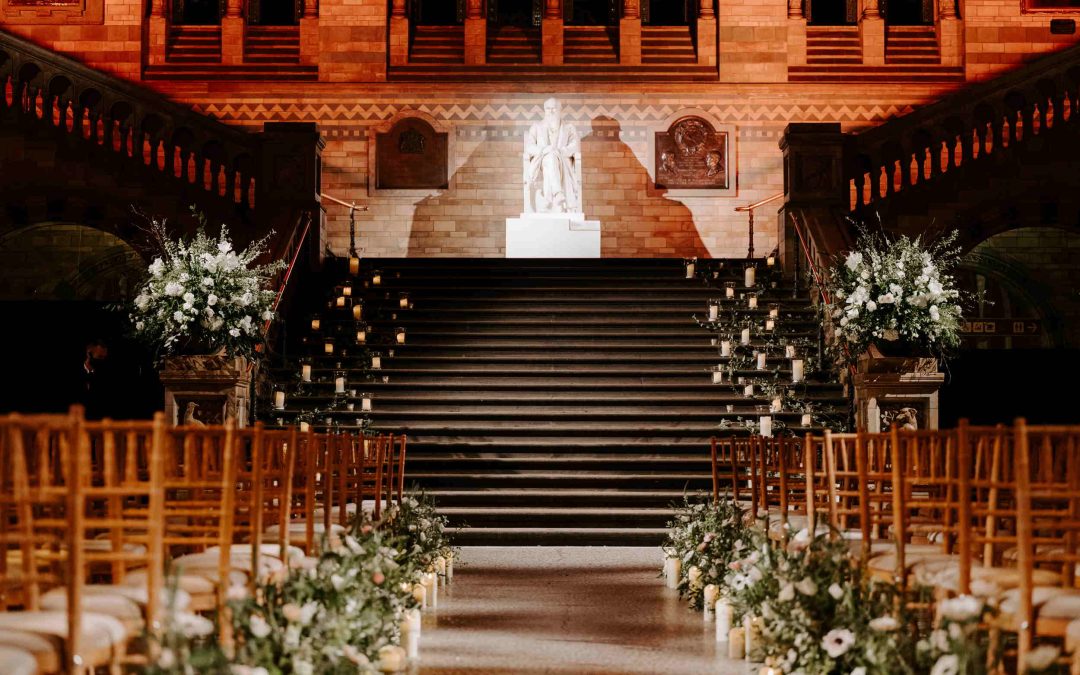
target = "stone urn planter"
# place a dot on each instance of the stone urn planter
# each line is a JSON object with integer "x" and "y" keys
{"x": 208, "y": 387}
{"x": 896, "y": 386}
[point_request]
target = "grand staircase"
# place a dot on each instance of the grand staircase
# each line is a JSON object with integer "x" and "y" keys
{"x": 549, "y": 401}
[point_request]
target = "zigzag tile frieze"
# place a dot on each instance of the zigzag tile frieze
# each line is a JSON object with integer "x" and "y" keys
{"x": 340, "y": 114}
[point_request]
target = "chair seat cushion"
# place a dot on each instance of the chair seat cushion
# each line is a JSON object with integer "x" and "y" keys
{"x": 914, "y": 554}
{"x": 1051, "y": 602}
{"x": 945, "y": 574}
{"x": 191, "y": 583}
{"x": 206, "y": 563}
{"x": 299, "y": 527}
{"x": 113, "y": 604}
{"x": 99, "y": 631}
{"x": 15, "y": 661}
{"x": 272, "y": 550}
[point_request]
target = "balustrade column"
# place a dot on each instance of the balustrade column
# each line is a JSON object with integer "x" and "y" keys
{"x": 706, "y": 34}
{"x": 551, "y": 33}
{"x": 630, "y": 33}
{"x": 157, "y": 31}
{"x": 475, "y": 33}
{"x": 399, "y": 34}
{"x": 872, "y": 32}
{"x": 796, "y": 34}
{"x": 950, "y": 34}
{"x": 233, "y": 27}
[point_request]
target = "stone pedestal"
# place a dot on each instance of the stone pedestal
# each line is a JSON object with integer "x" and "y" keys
{"x": 630, "y": 41}
{"x": 796, "y": 42}
{"x": 399, "y": 40}
{"x": 157, "y": 34}
{"x": 951, "y": 41}
{"x": 475, "y": 41}
{"x": 309, "y": 41}
{"x": 706, "y": 41}
{"x": 896, "y": 390}
{"x": 872, "y": 34}
{"x": 217, "y": 384}
{"x": 232, "y": 40}
{"x": 552, "y": 235}
{"x": 551, "y": 42}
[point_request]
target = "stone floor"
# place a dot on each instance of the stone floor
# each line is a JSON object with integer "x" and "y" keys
{"x": 595, "y": 610}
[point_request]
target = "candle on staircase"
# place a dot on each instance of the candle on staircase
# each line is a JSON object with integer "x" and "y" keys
{"x": 761, "y": 361}
{"x": 691, "y": 268}
{"x": 354, "y": 265}
{"x": 718, "y": 375}
{"x": 339, "y": 384}
{"x": 341, "y": 301}
{"x": 376, "y": 362}
{"x": 710, "y": 594}
{"x": 376, "y": 278}
{"x": 748, "y": 391}
{"x": 789, "y": 351}
{"x": 807, "y": 420}
{"x": 431, "y": 585}
{"x": 776, "y": 405}
{"x": 774, "y": 312}
{"x": 770, "y": 261}
{"x": 765, "y": 426}
{"x": 449, "y": 567}
{"x": 365, "y": 403}
{"x": 723, "y": 620}
{"x": 751, "y": 301}
{"x": 440, "y": 568}
{"x": 419, "y": 593}
{"x": 357, "y": 311}
{"x": 410, "y": 632}
{"x": 279, "y": 400}
{"x": 399, "y": 336}
{"x": 745, "y": 337}
{"x": 770, "y": 325}
{"x": 361, "y": 336}
{"x": 316, "y": 323}
{"x": 751, "y": 277}
{"x": 725, "y": 348}
{"x": 346, "y": 290}
{"x": 305, "y": 372}
{"x": 672, "y": 569}
{"x": 714, "y": 311}
{"x": 797, "y": 370}
{"x": 328, "y": 347}
{"x": 304, "y": 427}
{"x": 736, "y": 644}
{"x": 729, "y": 290}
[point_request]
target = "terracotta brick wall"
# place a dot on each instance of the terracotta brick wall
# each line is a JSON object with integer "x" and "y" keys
{"x": 353, "y": 40}
{"x": 999, "y": 36}
{"x": 752, "y": 40}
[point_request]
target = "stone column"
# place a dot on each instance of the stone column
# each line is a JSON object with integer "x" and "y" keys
{"x": 399, "y": 34}
{"x": 309, "y": 33}
{"x": 158, "y": 32}
{"x": 475, "y": 33}
{"x": 630, "y": 33}
{"x": 706, "y": 34}
{"x": 232, "y": 33}
{"x": 796, "y": 33}
{"x": 950, "y": 31}
{"x": 872, "y": 34}
{"x": 551, "y": 33}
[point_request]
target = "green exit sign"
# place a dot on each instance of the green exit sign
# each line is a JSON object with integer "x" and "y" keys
{"x": 985, "y": 326}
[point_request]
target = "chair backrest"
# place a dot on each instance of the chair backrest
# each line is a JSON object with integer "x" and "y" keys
{"x": 875, "y": 487}
{"x": 841, "y": 480}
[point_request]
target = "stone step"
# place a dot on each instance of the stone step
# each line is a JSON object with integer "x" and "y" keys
{"x": 548, "y": 518}
{"x": 695, "y": 480}
{"x": 561, "y": 536}
{"x": 508, "y": 497}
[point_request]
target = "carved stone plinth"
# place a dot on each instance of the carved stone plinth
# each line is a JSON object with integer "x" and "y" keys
{"x": 552, "y": 235}
{"x": 218, "y": 385}
{"x": 896, "y": 390}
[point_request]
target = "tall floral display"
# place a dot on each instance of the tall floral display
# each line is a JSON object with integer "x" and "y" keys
{"x": 200, "y": 295}
{"x": 202, "y": 309}
{"x": 895, "y": 314}
{"x": 896, "y": 291}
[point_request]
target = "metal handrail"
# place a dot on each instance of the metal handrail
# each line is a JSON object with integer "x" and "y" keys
{"x": 749, "y": 210}
{"x": 351, "y": 205}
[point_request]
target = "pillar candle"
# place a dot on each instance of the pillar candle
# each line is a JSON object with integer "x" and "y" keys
{"x": 672, "y": 568}
{"x": 736, "y": 644}
{"x": 725, "y": 348}
{"x": 341, "y": 301}
{"x": 796, "y": 370}
{"x": 401, "y": 336}
{"x": 718, "y": 377}
{"x": 403, "y": 302}
{"x": 748, "y": 636}
{"x": 765, "y": 426}
{"x": 376, "y": 280}
{"x": 354, "y": 265}
{"x": 710, "y": 594}
{"x": 365, "y": 404}
{"x": 304, "y": 427}
{"x": 714, "y": 312}
{"x": 774, "y": 313}
{"x": 279, "y": 399}
{"x": 776, "y": 405}
{"x": 693, "y": 576}
{"x": 752, "y": 628}
{"x": 789, "y": 351}
{"x": 761, "y": 361}
{"x": 357, "y": 311}
{"x": 729, "y": 292}
{"x": 346, "y": 291}
{"x": 751, "y": 277}
{"x": 316, "y": 324}
{"x": 350, "y": 406}
{"x": 419, "y": 593}
{"x": 361, "y": 336}
{"x": 305, "y": 372}
{"x": 751, "y": 302}
{"x": 770, "y": 261}
{"x": 807, "y": 420}
{"x": 770, "y": 325}
{"x": 440, "y": 566}
{"x": 410, "y": 632}
{"x": 730, "y": 407}
{"x": 691, "y": 269}
{"x": 431, "y": 584}
{"x": 748, "y": 390}
{"x": 449, "y": 567}
{"x": 723, "y": 620}
{"x": 328, "y": 347}
{"x": 376, "y": 362}
{"x": 339, "y": 385}
{"x": 745, "y": 337}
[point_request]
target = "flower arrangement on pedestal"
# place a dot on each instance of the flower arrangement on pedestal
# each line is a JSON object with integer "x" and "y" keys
{"x": 200, "y": 292}
{"x": 895, "y": 291}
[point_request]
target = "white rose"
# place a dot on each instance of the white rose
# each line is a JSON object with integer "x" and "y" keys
{"x": 267, "y": 315}
{"x": 178, "y": 316}
{"x": 836, "y": 591}
{"x": 258, "y": 626}
{"x": 291, "y": 612}
{"x": 935, "y": 313}
{"x": 189, "y": 297}
{"x": 871, "y": 305}
{"x": 787, "y": 593}
{"x": 166, "y": 659}
{"x": 139, "y": 325}
{"x": 157, "y": 267}
{"x": 303, "y": 667}
{"x": 886, "y": 299}
{"x": 173, "y": 289}
{"x": 292, "y": 636}
{"x": 854, "y": 259}
{"x": 307, "y": 612}
{"x": 224, "y": 247}
{"x": 208, "y": 281}
{"x": 806, "y": 586}
{"x": 235, "y": 332}
{"x": 193, "y": 625}
{"x": 211, "y": 299}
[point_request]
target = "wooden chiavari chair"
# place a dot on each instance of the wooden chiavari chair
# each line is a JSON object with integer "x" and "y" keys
{"x": 44, "y": 464}
{"x": 730, "y": 465}
{"x": 315, "y": 484}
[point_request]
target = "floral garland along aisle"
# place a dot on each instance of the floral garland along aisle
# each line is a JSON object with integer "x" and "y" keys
{"x": 807, "y": 606}
{"x": 354, "y": 609}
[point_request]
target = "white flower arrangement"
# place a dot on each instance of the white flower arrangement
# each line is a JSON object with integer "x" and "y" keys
{"x": 895, "y": 290}
{"x": 200, "y": 292}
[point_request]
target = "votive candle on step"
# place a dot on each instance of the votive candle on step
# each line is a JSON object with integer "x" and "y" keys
{"x": 304, "y": 427}
{"x": 449, "y": 567}
{"x": 776, "y": 405}
{"x": 748, "y": 636}
{"x": 761, "y": 361}
{"x": 797, "y": 370}
{"x": 729, "y": 290}
{"x": 400, "y": 336}
{"x": 316, "y": 323}
{"x": 365, "y": 403}
{"x": 672, "y": 568}
{"x": 328, "y": 347}
{"x": 305, "y": 372}
{"x": 691, "y": 269}
{"x": 419, "y": 593}
{"x": 765, "y": 426}
{"x": 354, "y": 265}
{"x": 770, "y": 261}
{"x": 361, "y": 337}
{"x": 339, "y": 385}
{"x": 431, "y": 583}
{"x": 718, "y": 376}
{"x": 440, "y": 566}
{"x": 376, "y": 278}
{"x": 745, "y": 337}
{"x": 279, "y": 400}
{"x": 714, "y": 311}
{"x": 410, "y": 632}
{"x": 748, "y": 390}
{"x": 789, "y": 351}
{"x": 774, "y": 312}
{"x": 341, "y": 301}
{"x": 357, "y": 311}
{"x": 725, "y": 348}
{"x": 751, "y": 302}
{"x": 736, "y": 644}
{"x": 750, "y": 277}
{"x": 723, "y": 620}
{"x": 376, "y": 362}
{"x": 770, "y": 325}
{"x": 807, "y": 420}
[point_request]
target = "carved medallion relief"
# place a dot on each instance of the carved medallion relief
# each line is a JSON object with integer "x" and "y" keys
{"x": 692, "y": 154}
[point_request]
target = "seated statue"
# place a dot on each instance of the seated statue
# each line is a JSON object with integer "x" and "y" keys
{"x": 552, "y": 164}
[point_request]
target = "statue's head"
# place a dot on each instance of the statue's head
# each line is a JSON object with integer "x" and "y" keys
{"x": 552, "y": 111}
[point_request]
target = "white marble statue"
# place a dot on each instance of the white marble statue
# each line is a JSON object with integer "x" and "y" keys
{"x": 552, "y": 164}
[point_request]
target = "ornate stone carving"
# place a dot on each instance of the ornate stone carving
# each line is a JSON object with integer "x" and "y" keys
{"x": 692, "y": 154}
{"x": 552, "y": 164}
{"x": 217, "y": 385}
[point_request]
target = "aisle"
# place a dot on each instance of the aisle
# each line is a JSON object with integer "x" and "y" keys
{"x": 589, "y": 610}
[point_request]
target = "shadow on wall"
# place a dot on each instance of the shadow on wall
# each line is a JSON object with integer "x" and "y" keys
{"x": 470, "y": 218}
